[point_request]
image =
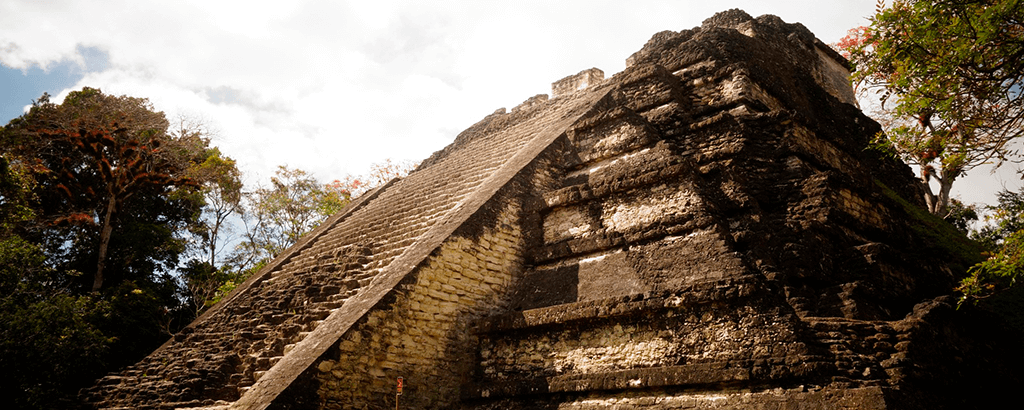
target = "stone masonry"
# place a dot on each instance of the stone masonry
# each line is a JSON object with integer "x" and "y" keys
{"x": 703, "y": 230}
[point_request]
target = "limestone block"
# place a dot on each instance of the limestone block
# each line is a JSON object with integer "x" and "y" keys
{"x": 579, "y": 81}
{"x": 326, "y": 365}
{"x": 622, "y": 215}
{"x": 568, "y": 222}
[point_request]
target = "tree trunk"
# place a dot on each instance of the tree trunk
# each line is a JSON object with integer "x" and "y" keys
{"x": 213, "y": 239}
{"x": 944, "y": 186}
{"x": 930, "y": 201}
{"x": 104, "y": 242}
{"x": 938, "y": 205}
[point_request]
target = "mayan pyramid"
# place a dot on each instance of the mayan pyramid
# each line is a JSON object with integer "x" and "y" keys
{"x": 704, "y": 230}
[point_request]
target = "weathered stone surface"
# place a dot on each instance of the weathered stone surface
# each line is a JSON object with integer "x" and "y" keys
{"x": 703, "y": 230}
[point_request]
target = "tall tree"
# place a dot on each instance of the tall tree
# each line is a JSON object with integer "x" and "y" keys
{"x": 379, "y": 174}
{"x": 97, "y": 202}
{"x": 105, "y": 166}
{"x": 949, "y": 74}
{"x": 220, "y": 193}
{"x": 220, "y": 186}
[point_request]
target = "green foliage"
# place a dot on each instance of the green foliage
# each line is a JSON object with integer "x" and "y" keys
{"x": 294, "y": 204}
{"x": 99, "y": 204}
{"x": 234, "y": 280}
{"x": 109, "y": 186}
{"x": 15, "y": 195}
{"x": 1003, "y": 220}
{"x": 204, "y": 284}
{"x": 279, "y": 215}
{"x": 50, "y": 340}
{"x": 220, "y": 192}
{"x": 961, "y": 216}
{"x": 999, "y": 271}
{"x": 950, "y": 72}
{"x": 97, "y": 201}
{"x": 1003, "y": 236}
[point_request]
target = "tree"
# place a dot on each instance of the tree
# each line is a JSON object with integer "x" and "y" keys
{"x": 222, "y": 195}
{"x": 277, "y": 216}
{"x": 107, "y": 173}
{"x": 221, "y": 190}
{"x": 384, "y": 171}
{"x": 51, "y": 340}
{"x": 1001, "y": 270}
{"x": 950, "y": 72}
{"x": 296, "y": 203}
{"x": 97, "y": 200}
{"x": 220, "y": 186}
{"x": 219, "y": 193}
{"x": 380, "y": 173}
{"x": 961, "y": 215}
{"x": 201, "y": 282}
{"x": 1003, "y": 219}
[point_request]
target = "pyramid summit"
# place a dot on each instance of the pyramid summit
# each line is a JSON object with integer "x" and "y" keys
{"x": 704, "y": 229}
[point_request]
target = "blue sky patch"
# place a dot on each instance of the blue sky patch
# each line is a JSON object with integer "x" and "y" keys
{"x": 20, "y": 88}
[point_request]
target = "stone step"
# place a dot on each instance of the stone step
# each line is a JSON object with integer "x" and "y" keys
{"x": 694, "y": 377}
{"x": 694, "y": 295}
{"x": 332, "y": 304}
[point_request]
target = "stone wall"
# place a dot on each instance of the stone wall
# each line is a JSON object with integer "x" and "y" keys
{"x": 707, "y": 176}
{"x": 423, "y": 334}
{"x": 776, "y": 399}
{"x": 568, "y": 85}
{"x": 698, "y": 335}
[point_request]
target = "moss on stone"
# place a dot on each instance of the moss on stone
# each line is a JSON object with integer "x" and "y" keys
{"x": 939, "y": 235}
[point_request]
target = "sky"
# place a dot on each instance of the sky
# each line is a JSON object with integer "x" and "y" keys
{"x": 332, "y": 87}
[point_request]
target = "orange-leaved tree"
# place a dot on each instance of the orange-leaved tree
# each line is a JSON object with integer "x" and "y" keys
{"x": 106, "y": 167}
{"x": 949, "y": 75}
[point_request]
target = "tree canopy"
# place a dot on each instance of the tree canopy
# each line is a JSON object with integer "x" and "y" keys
{"x": 949, "y": 74}
{"x": 97, "y": 200}
{"x": 278, "y": 215}
{"x": 112, "y": 187}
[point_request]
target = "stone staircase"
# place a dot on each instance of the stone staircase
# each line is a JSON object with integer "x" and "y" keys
{"x": 221, "y": 356}
{"x": 216, "y": 361}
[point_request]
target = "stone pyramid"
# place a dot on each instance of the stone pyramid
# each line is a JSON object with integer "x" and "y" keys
{"x": 703, "y": 230}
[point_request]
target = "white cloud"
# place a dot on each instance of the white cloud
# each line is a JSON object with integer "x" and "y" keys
{"x": 334, "y": 86}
